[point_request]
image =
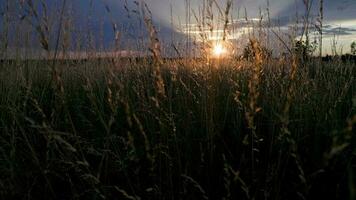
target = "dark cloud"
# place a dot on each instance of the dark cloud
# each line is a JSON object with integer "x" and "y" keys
{"x": 339, "y": 31}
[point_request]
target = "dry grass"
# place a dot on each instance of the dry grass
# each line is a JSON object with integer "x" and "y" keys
{"x": 155, "y": 128}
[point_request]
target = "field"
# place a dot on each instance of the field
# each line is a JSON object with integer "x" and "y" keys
{"x": 140, "y": 129}
{"x": 274, "y": 121}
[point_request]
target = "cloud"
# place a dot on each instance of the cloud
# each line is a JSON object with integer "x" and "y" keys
{"x": 340, "y": 31}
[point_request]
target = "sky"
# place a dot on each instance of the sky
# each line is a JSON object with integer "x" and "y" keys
{"x": 92, "y": 21}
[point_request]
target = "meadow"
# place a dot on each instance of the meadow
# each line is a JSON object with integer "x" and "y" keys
{"x": 154, "y": 128}
{"x": 187, "y": 131}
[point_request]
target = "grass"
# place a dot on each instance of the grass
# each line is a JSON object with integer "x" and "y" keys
{"x": 184, "y": 128}
{"x": 102, "y": 131}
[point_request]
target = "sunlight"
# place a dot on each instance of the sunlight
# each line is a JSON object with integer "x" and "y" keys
{"x": 219, "y": 50}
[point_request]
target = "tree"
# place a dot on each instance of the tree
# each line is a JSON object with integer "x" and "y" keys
{"x": 353, "y": 48}
{"x": 249, "y": 53}
{"x": 304, "y": 50}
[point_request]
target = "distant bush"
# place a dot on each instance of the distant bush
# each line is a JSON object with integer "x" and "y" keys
{"x": 304, "y": 49}
{"x": 249, "y": 53}
{"x": 353, "y": 48}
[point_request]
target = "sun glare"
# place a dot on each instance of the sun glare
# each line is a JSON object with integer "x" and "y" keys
{"x": 219, "y": 50}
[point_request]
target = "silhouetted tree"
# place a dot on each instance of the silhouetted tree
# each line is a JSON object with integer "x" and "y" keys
{"x": 353, "y": 48}
{"x": 304, "y": 50}
{"x": 249, "y": 53}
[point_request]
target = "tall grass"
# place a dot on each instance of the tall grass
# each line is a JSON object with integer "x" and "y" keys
{"x": 155, "y": 128}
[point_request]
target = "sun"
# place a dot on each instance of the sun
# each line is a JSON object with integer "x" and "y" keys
{"x": 219, "y": 50}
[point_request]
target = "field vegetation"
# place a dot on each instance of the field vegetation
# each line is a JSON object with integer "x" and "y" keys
{"x": 253, "y": 127}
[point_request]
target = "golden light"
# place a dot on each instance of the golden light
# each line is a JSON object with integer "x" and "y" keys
{"x": 219, "y": 50}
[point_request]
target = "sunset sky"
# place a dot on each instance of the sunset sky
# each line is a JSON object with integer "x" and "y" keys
{"x": 340, "y": 17}
{"x": 339, "y": 24}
